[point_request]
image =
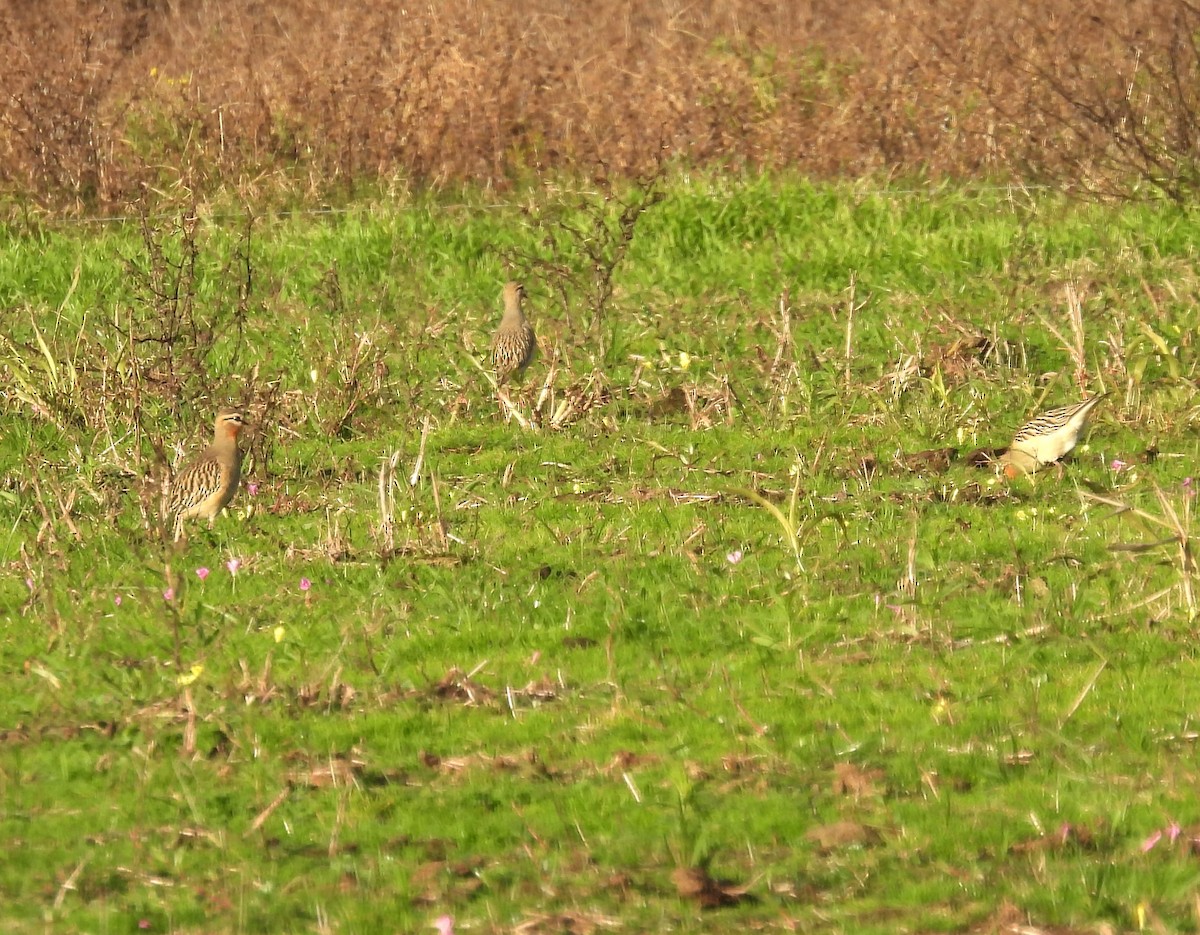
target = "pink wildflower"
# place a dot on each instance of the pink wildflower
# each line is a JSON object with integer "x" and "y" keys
{"x": 169, "y": 594}
{"x": 233, "y": 565}
{"x": 1150, "y": 842}
{"x": 201, "y": 573}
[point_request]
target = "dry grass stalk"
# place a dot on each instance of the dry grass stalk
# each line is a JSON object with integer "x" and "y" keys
{"x": 1177, "y": 523}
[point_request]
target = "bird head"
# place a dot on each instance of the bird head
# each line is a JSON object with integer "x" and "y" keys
{"x": 514, "y": 295}
{"x": 1016, "y": 462}
{"x": 230, "y": 422}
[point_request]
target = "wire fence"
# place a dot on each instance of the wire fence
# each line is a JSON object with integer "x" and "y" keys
{"x": 223, "y": 217}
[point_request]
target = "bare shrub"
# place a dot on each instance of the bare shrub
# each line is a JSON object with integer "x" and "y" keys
{"x": 1129, "y": 116}
{"x": 584, "y": 236}
{"x": 123, "y": 368}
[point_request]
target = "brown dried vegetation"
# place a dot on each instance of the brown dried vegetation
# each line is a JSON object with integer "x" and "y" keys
{"x": 106, "y": 101}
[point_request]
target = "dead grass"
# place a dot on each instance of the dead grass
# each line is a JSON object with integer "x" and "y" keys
{"x": 107, "y": 103}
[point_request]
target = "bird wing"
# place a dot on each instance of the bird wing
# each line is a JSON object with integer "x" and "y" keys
{"x": 195, "y": 484}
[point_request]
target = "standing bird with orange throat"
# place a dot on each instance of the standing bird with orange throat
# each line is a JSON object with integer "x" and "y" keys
{"x": 206, "y": 485}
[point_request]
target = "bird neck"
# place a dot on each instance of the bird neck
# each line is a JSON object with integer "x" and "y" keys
{"x": 226, "y": 437}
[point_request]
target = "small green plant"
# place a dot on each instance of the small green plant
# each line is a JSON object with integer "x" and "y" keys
{"x": 795, "y": 529}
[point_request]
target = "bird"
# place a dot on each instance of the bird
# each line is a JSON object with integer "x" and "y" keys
{"x": 206, "y": 485}
{"x": 1048, "y": 437}
{"x": 515, "y": 344}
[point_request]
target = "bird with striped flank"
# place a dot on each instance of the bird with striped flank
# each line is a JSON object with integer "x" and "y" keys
{"x": 1047, "y": 438}
{"x": 206, "y": 485}
{"x": 515, "y": 344}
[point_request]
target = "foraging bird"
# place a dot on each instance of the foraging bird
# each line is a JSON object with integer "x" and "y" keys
{"x": 515, "y": 344}
{"x": 1047, "y": 437}
{"x": 208, "y": 483}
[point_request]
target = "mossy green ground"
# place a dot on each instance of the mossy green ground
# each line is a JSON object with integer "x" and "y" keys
{"x": 918, "y": 699}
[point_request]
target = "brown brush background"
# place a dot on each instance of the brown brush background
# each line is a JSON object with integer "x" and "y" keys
{"x": 101, "y": 103}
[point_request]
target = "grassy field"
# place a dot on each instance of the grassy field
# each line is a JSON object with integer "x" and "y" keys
{"x": 738, "y": 639}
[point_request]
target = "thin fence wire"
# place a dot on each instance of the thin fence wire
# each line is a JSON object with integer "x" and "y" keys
{"x": 323, "y": 211}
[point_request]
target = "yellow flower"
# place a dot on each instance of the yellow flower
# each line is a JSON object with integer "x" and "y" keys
{"x": 280, "y": 632}
{"x": 191, "y": 675}
{"x": 685, "y": 360}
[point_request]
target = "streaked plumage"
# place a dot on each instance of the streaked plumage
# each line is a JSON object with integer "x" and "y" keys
{"x": 208, "y": 483}
{"x": 1048, "y": 437}
{"x": 515, "y": 344}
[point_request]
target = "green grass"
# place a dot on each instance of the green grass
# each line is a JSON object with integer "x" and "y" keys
{"x": 590, "y": 655}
